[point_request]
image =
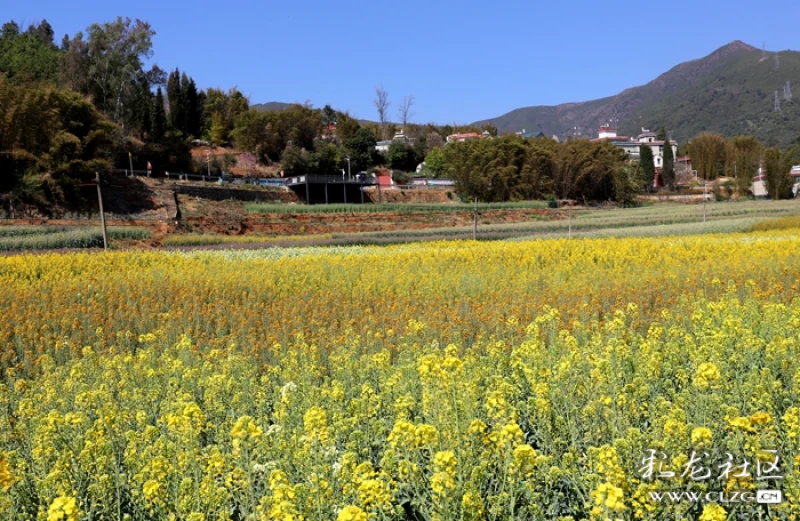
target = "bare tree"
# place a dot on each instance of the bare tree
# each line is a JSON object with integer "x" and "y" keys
{"x": 405, "y": 112}
{"x": 382, "y": 103}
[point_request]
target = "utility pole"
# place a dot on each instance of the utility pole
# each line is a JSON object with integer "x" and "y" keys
{"x": 102, "y": 214}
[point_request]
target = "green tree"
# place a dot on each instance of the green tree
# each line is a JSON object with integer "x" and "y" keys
{"x": 177, "y": 109}
{"x": 778, "y": 180}
{"x": 10, "y": 30}
{"x": 629, "y": 180}
{"x": 30, "y": 56}
{"x": 435, "y": 163}
{"x": 648, "y": 164}
{"x": 744, "y": 158}
{"x": 218, "y": 133}
{"x": 192, "y": 109}
{"x": 220, "y": 110}
{"x": 346, "y": 126}
{"x": 361, "y": 149}
{"x": 508, "y": 168}
{"x": 586, "y": 169}
{"x": 51, "y": 138}
{"x": 294, "y": 161}
{"x": 116, "y": 52}
{"x": 668, "y": 165}
{"x": 251, "y": 132}
{"x": 329, "y": 116}
{"x": 301, "y": 125}
{"x": 708, "y": 154}
{"x": 159, "y": 118}
{"x": 43, "y": 31}
{"x": 325, "y": 159}
{"x": 466, "y": 163}
{"x": 536, "y": 174}
{"x": 401, "y": 156}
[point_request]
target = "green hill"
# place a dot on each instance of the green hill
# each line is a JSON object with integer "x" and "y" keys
{"x": 730, "y": 91}
{"x": 271, "y": 106}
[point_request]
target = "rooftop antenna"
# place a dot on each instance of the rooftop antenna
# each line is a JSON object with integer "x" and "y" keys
{"x": 787, "y": 91}
{"x": 777, "y": 102}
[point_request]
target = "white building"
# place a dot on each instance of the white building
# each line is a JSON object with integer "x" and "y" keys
{"x": 632, "y": 146}
{"x": 399, "y": 137}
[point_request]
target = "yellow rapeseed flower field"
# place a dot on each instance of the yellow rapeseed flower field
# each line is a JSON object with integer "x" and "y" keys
{"x": 544, "y": 380}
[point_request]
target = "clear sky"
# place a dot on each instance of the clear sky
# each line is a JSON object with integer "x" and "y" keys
{"x": 461, "y": 60}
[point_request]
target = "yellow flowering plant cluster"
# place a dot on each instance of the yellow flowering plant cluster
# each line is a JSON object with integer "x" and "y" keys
{"x": 446, "y": 381}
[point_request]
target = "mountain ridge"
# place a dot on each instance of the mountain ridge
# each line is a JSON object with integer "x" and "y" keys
{"x": 728, "y": 91}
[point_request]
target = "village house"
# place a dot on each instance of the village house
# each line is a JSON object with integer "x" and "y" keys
{"x": 460, "y": 138}
{"x": 633, "y": 146}
{"x": 399, "y": 137}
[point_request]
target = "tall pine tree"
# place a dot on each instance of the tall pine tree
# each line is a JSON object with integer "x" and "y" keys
{"x": 177, "y": 113}
{"x": 158, "y": 118}
{"x": 648, "y": 164}
{"x": 192, "y": 109}
{"x": 668, "y": 170}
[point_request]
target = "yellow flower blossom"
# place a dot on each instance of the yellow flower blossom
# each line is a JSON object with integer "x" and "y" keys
{"x": 707, "y": 375}
{"x": 713, "y": 512}
{"x": 352, "y": 513}
{"x": 63, "y": 508}
{"x": 701, "y": 436}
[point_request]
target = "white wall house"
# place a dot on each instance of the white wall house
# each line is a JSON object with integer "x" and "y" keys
{"x": 399, "y": 137}
{"x": 631, "y": 146}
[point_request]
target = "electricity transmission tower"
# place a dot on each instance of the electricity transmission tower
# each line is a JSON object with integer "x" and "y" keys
{"x": 787, "y": 91}
{"x": 777, "y": 102}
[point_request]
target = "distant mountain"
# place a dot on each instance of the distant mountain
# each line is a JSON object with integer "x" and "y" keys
{"x": 272, "y": 106}
{"x": 730, "y": 91}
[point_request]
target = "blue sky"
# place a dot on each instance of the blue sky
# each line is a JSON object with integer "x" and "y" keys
{"x": 461, "y": 60}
